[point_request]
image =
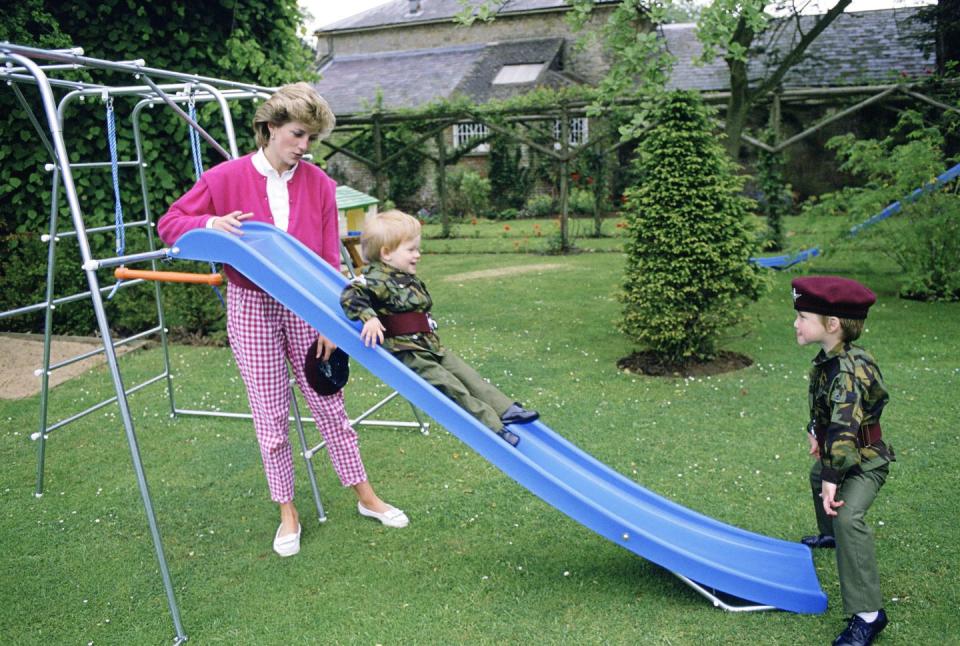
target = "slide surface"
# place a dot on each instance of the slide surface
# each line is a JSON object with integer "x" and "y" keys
{"x": 750, "y": 566}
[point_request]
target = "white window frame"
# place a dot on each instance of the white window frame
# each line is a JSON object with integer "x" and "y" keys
{"x": 579, "y": 131}
{"x": 463, "y": 133}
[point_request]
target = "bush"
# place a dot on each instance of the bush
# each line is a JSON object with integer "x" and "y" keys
{"x": 468, "y": 194}
{"x": 582, "y": 201}
{"x": 539, "y": 206}
{"x": 688, "y": 244}
{"x": 507, "y": 214}
{"x": 923, "y": 238}
{"x": 929, "y": 249}
{"x": 510, "y": 179}
{"x": 924, "y": 241}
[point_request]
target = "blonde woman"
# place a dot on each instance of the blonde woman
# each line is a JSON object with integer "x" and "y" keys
{"x": 276, "y": 186}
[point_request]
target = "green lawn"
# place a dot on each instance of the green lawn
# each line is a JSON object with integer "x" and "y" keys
{"x": 483, "y": 561}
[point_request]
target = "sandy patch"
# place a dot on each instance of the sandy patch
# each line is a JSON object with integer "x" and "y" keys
{"x": 504, "y": 271}
{"x": 21, "y": 354}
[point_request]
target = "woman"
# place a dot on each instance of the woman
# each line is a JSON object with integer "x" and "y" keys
{"x": 272, "y": 185}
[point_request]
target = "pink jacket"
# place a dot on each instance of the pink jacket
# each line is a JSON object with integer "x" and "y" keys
{"x": 236, "y": 185}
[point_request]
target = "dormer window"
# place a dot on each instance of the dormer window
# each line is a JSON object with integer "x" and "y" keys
{"x": 522, "y": 73}
{"x": 414, "y": 8}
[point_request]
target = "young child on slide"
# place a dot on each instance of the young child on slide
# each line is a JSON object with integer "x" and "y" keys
{"x": 394, "y": 306}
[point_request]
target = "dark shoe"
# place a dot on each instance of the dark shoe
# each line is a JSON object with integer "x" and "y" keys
{"x": 821, "y": 540}
{"x": 509, "y": 438}
{"x": 859, "y": 632}
{"x": 517, "y": 414}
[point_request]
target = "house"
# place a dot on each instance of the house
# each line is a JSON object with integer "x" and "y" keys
{"x": 407, "y": 53}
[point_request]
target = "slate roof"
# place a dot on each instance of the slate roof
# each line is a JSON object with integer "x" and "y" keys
{"x": 397, "y": 12}
{"x": 857, "y": 48}
{"x": 410, "y": 79}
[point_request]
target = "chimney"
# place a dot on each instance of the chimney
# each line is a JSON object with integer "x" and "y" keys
{"x": 413, "y": 7}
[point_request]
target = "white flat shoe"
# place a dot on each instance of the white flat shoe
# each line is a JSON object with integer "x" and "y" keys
{"x": 393, "y": 517}
{"x": 287, "y": 545}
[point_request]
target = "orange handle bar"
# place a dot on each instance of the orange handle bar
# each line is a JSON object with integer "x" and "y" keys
{"x": 122, "y": 273}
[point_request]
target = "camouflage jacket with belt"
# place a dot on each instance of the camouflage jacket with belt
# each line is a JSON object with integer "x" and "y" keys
{"x": 381, "y": 290}
{"x": 847, "y": 395}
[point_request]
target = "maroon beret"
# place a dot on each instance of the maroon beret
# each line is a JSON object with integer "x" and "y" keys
{"x": 832, "y": 296}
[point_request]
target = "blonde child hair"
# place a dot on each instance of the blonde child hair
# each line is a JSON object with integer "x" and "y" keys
{"x": 387, "y": 231}
{"x": 293, "y": 102}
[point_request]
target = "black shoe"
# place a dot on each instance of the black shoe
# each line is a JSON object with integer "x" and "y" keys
{"x": 859, "y": 632}
{"x": 517, "y": 414}
{"x": 509, "y": 438}
{"x": 821, "y": 540}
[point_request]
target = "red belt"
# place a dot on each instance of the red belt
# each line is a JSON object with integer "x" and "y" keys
{"x": 405, "y": 323}
{"x": 869, "y": 434}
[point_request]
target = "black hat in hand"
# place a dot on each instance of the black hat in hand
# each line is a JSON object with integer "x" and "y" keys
{"x": 326, "y": 377}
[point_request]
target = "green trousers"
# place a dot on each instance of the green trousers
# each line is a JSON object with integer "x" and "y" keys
{"x": 856, "y": 555}
{"x": 461, "y": 383}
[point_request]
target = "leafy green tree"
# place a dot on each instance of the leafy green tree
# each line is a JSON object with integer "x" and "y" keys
{"x": 255, "y": 41}
{"x": 738, "y": 30}
{"x": 688, "y": 244}
{"x": 924, "y": 237}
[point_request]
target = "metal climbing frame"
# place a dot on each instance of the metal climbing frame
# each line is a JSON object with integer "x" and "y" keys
{"x": 34, "y": 67}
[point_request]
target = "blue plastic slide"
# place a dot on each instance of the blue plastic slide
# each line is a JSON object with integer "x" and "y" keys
{"x": 733, "y": 561}
{"x": 947, "y": 176}
{"x": 785, "y": 261}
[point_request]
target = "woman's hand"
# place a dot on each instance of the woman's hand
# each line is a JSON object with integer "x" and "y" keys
{"x": 372, "y": 332}
{"x": 231, "y": 222}
{"x": 325, "y": 347}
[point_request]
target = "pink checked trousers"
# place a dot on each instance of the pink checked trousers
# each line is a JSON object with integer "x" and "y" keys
{"x": 263, "y": 335}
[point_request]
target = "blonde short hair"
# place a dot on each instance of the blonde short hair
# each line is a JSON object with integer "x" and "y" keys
{"x": 387, "y": 230}
{"x": 293, "y": 102}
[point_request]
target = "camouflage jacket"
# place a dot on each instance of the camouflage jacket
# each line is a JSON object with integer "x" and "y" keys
{"x": 846, "y": 393}
{"x": 382, "y": 290}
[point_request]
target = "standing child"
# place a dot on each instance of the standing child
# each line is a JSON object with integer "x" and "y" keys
{"x": 394, "y": 306}
{"x": 847, "y": 396}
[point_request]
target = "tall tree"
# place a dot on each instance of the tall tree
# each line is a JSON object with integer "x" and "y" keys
{"x": 737, "y": 30}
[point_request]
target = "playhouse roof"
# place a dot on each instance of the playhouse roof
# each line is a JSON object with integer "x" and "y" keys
{"x": 351, "y": 198}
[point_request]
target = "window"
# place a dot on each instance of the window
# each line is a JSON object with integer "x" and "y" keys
{"x": 463, "y": 133}
{"x": 578, "y": 131}
{"x": 524, "y": 73}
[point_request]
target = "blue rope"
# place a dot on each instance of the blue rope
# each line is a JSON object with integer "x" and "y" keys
{"x": 195, "y": 142}
{"x": 198, "y": 171}
{"x": 117, "y": 206}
